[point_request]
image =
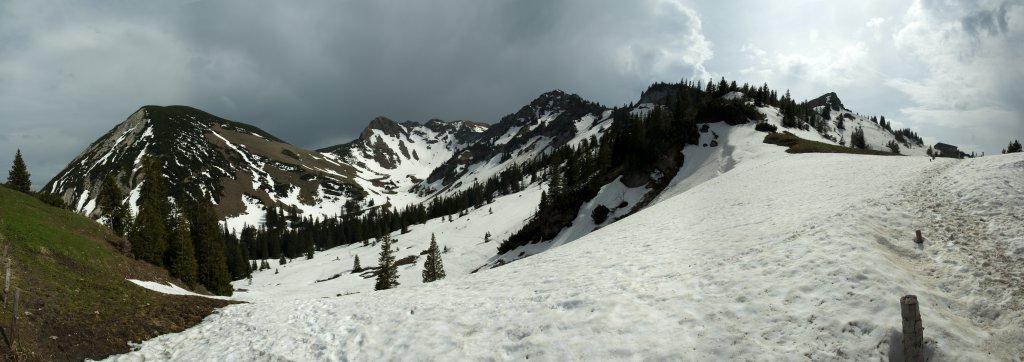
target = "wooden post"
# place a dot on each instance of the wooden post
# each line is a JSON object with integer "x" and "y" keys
{"x": 919, "y": 239}
{"x": 14, "y": 320}
{"x": 7, "y": 279}
{"x": 913, "y": 330}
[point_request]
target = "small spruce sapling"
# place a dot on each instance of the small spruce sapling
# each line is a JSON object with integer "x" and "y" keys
{"x": 893, "y": 146}
{"x": 387, "y": 276}
{"x": 433, "y": 269}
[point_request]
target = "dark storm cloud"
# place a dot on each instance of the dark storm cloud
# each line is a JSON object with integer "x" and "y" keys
{"x": 315, "y": 73}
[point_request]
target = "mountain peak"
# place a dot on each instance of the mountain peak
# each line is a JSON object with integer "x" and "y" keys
{"x": 830, "y": 100}
{"x": 553, "y": 95}
{"x": 556, "y": 100}
{"x": 384, "y": 124}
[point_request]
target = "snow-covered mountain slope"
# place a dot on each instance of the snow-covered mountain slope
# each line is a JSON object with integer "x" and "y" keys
{"x": 246, "y": 169}
{"x": 719, "y": 149}
{"x": 840, "y": 125}
{"x": 780, "y": 257}
{"x": 393, "y": 157}
{"x": 553, "y": 120}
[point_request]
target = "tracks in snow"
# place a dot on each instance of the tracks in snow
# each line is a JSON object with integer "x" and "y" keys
{"x": 971, "y": 244}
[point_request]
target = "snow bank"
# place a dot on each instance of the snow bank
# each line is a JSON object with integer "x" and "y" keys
{"x": 170, "y": 288}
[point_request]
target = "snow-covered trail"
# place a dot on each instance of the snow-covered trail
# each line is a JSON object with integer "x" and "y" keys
{"x": 801, "y": 256}
{"x": 974, "y": 247}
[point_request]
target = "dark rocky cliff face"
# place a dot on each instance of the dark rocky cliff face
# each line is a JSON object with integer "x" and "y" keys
{"x": 831, "y": 100}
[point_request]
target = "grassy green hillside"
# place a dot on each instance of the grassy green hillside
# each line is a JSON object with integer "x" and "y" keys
{"x": 75, "y": 301}
{"x": 799, "y": 145}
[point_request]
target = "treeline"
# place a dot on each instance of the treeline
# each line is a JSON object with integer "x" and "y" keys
{"x": 288, "y": 235}
{"x": 798, "y": 114}
{"x": 183, "y": 236}
{"x": 904, "y": 136}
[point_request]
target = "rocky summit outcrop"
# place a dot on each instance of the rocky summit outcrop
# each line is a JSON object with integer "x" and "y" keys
{"x": 830, "y": 100}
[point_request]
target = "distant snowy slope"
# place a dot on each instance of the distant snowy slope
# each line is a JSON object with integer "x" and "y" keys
{"x": 330, "y": 272}
{"x": 553, "y": 120}
{"x": 392, "y": 157}
{"x": 782, "y": 257}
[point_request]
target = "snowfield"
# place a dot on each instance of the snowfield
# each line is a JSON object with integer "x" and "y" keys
{"x": 750, "y": 254}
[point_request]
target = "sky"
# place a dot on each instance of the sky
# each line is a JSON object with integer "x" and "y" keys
{"x": 314, "y": 73}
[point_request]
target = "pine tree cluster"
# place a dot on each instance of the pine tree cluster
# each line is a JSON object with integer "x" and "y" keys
{"x": 186, "y": 238}
{"x": 1013, "y": 147}
{"x": 893, "y": 146}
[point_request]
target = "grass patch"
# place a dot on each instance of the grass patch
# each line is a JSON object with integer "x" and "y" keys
{"x": 75, "y": 301}
{"x": 799, "y": 145}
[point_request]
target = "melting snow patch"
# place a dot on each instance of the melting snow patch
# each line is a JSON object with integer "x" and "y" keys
{"x": 733, "y": 95}
{"x": 170, "y": 289}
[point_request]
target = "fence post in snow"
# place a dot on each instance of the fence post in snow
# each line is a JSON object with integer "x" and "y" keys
{"x": 913, "y": 330}
{"x": 919, "y": 239}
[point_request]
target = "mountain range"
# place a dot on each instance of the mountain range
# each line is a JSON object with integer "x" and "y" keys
{"x": 392, "y": 165}
{"x": 676, "y": 223}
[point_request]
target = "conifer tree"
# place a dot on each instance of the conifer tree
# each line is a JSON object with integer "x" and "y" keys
{"x": 211, "y": 257}
{"x": 18, "y": 177}
{"x": 893, "y": 146}
{"x": 112, "y": 205}
{"x": 387, "y": 276}
{"x": 555, "y": 185}
{"x": 181, "y": 253}
{"x": 149, "y": 229}
{"x": 238, "y": 266}
{"x": 857, "y": 138}
{"x": 355, "y": 266}
{"x": 1014, "y": 147}
{"x": 433, "y": 269}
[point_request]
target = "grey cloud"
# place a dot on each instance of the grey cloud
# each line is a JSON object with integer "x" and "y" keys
{"x": 990, "y": 21}
{"x": 315, "y": 73}
{"x": 973, "y": 91}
